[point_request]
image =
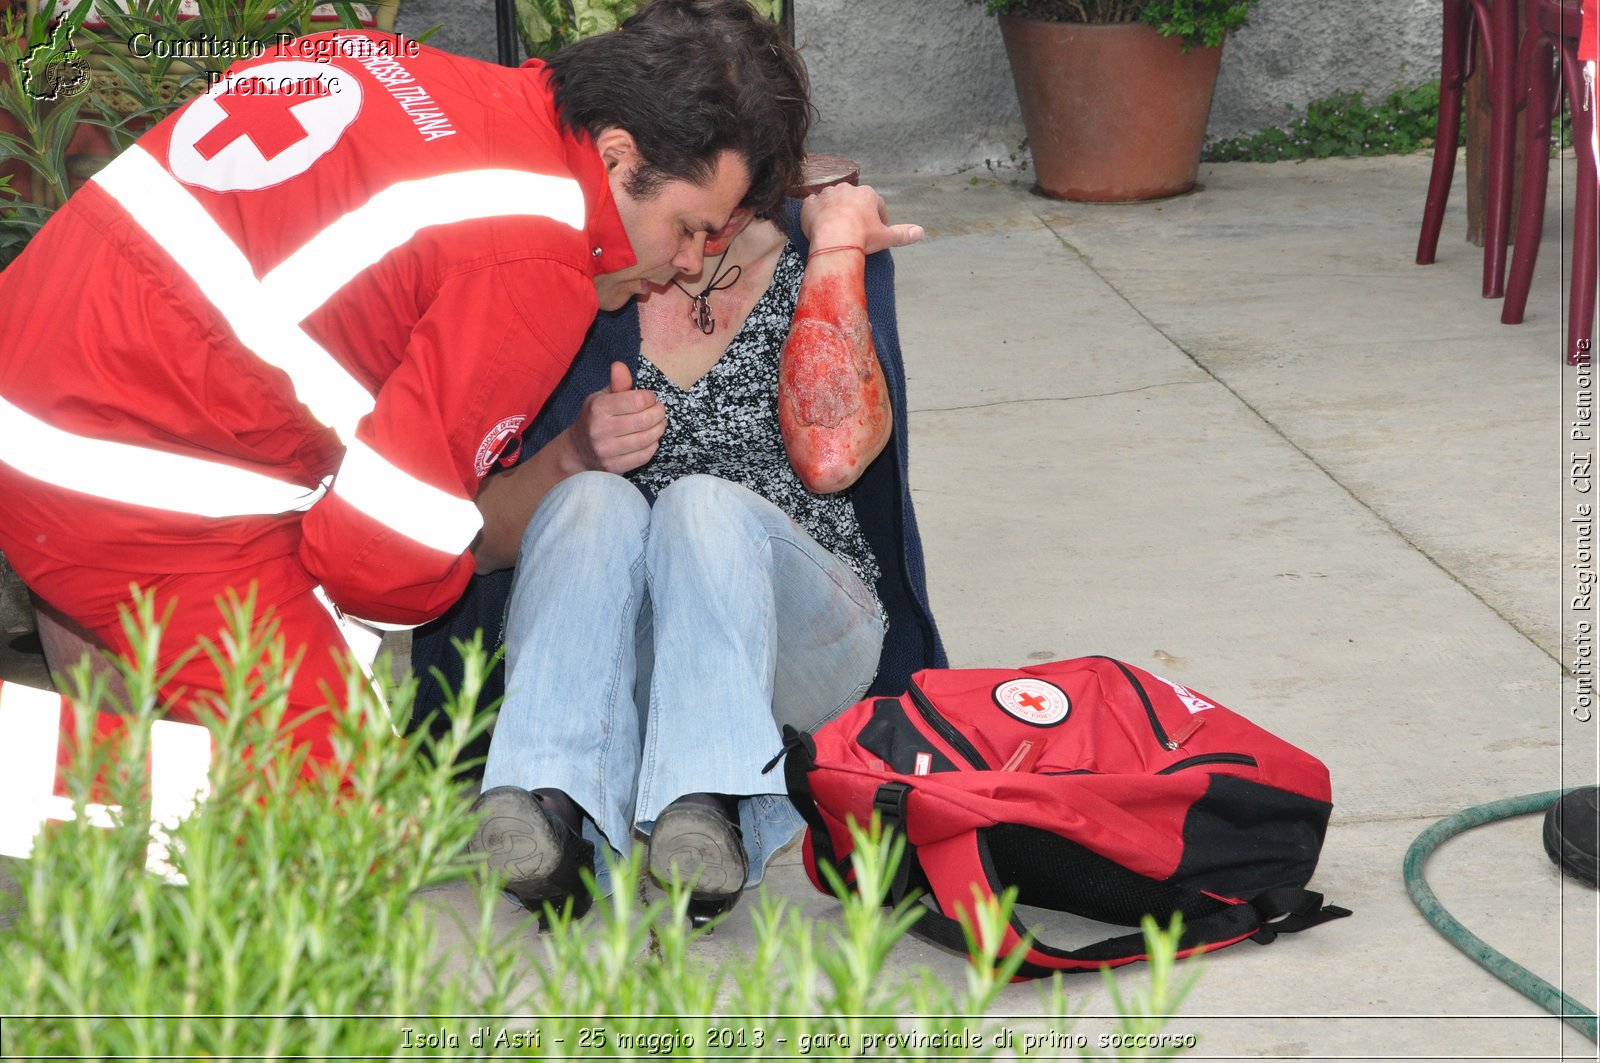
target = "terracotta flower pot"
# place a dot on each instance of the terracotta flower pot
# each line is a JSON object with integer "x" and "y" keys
{"x": 1113, "y": 112}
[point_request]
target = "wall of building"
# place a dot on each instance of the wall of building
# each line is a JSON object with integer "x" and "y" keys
{"x": 922, "y": 86}
{"x": 1294, "y": 51}
{"x": 465, "y": 27}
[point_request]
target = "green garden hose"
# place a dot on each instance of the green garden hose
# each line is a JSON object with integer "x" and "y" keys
{"x": 1513, "y": 974}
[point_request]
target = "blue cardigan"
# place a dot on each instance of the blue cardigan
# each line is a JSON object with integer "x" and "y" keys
{"x": 882, "y": 499}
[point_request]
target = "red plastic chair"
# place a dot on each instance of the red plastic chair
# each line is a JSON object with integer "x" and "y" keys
{"x": 1465, "y": 21}
{"x": 1549, "y": 48}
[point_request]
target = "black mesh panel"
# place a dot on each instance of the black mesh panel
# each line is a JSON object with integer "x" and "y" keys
{"x": 1051, "y": 872}
{"x": 1242, "y": 838}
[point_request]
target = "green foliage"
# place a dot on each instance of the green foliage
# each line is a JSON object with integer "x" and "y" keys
{"x": 37, "y": 129}
{"x": 547, "y": 26}
{"x": 1143, "y": 1015}
{"x": 291, "y": 925}
{"x": 139, "y": 89}
{"x": 295, "y": 916}
{"x": 19, "y": 220}
{"x": 1200, "y": 23}
{"x": 804, "y": 981}
{"x": 1345, "y": 124}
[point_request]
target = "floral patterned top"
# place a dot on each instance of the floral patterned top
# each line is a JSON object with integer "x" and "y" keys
{"x": 727, "y": 425}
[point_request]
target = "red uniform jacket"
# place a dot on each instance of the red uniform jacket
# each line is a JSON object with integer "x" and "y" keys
{"x": 303, "y": 316}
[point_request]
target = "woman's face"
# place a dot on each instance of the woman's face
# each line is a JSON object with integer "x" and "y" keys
{"x": 716, "y": 245}
{"x": 718, "y": 241}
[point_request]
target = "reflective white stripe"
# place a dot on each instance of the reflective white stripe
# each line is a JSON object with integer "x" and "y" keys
{"x": 265, "y": 314}
{"x": 332, "y": 258}
{"x": 180, "y": 779}
{"x": 420, "y": 512}
{"x": 385, "y": 626}
{"x": 60, "y": 808}
{"x": 178, "y": 224}
{"x": 140, "y": 476}
{"x": 30, "y": 729}
{"x": 365, "y": 644}
{"x": 30, "y": 737}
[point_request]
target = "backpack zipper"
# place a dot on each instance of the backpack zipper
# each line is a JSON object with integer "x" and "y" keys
{"x": 1210, "y": 758}
{"x": 1149, "y": 709}
{"x": 1172, "y": 745}
{"x": 954, "y": 738}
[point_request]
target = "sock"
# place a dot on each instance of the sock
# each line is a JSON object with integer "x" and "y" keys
{"x": 558, "y": 804}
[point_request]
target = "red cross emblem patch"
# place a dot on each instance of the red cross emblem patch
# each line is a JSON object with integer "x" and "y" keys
{"x": 1033, "y": 701}
{"x": 261, "y": 126}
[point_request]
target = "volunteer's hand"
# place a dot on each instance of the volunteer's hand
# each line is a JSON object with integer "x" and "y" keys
{"x": 618, "y": 429}
{"x": 853, "y": 215}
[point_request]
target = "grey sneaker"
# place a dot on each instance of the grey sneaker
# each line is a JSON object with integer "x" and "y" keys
{"x": 539, "y": 856}
{"x": 701, "y": 846}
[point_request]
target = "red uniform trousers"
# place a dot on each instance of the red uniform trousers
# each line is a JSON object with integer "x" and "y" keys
{"x": 284, "y": 594}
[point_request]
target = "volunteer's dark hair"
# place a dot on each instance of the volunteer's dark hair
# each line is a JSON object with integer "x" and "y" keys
{"x": 690, "y": 79}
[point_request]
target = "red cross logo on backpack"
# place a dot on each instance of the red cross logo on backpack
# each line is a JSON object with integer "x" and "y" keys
{"x": 1033, "y": 701}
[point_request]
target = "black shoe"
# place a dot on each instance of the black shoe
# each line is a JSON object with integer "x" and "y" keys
{"x": 540, "y": 856}
{"x": 1572, "y": 833}
{"x": 699, "y": 845}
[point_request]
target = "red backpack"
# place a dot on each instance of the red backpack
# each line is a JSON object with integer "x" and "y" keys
{"x": 1091, "y": 786}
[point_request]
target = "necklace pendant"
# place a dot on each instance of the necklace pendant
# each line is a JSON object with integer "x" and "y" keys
{"x": 700, "y": 302}
{"x": 700, "y": 314}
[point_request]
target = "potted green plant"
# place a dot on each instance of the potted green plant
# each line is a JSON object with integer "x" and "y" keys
{"x": 547, "y": 25}
{"x": 1115, "y": 93}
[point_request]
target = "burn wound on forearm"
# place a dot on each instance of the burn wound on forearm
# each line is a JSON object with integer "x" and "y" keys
{"x": 825, "y": 371}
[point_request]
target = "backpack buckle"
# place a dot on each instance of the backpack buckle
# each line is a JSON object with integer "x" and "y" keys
{"x": 890, "y": 804}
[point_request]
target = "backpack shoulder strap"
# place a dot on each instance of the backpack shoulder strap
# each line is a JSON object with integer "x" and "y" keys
{"x": 799, "y": 755}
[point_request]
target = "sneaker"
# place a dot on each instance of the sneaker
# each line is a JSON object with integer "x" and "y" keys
{"x": 1572, "y": 833}
{"x": 700, "y": 845}
{"x": 538, "y": 855}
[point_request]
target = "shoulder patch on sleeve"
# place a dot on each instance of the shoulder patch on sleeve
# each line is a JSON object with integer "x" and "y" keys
{"x": 496, "y": 443}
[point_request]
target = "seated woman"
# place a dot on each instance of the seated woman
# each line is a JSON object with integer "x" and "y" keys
{"x": 715, "y": 552}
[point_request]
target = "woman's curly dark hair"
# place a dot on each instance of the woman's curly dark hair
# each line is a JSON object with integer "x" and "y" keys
{"x": 690, "y": 79}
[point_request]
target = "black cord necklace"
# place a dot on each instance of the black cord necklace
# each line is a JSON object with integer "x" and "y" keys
{"x": 700, "y": 305}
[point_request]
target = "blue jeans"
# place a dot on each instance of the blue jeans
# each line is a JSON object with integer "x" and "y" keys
{"x": 653, "y": 652}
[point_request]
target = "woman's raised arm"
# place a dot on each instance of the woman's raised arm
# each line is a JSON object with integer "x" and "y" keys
{"x": 833, "y": 406}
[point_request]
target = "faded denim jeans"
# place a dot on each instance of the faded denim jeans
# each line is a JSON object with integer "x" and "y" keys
{"x": 656, "y": 651}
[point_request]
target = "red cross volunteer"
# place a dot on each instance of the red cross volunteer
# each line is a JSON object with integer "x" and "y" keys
{"x": 279, "y": 341}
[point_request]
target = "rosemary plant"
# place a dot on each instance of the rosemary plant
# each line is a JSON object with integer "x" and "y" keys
{"x": 297, "y": 931}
